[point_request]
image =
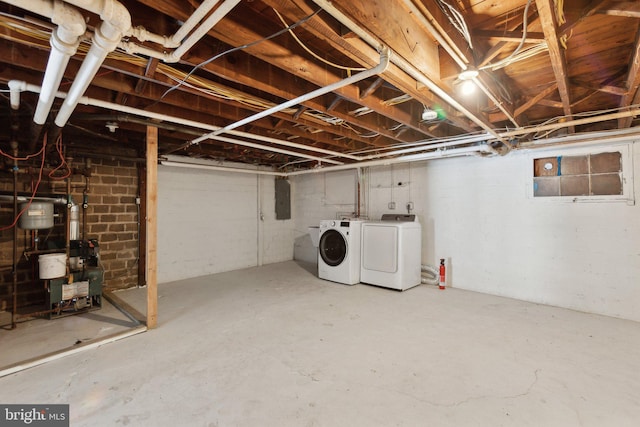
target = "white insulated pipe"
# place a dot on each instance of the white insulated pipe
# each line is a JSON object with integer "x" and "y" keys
{"x": 19, "y": 86}
{"x": 64, "y": 41}
{"x": 378, "y": 69}
{"x": 431, "y": 155}
{"x": 204, "y": 28}
{"x": 116, "y": 21}
{"x": 176, "y": 40}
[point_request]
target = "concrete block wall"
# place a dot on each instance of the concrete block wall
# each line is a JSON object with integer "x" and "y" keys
{"x": 210, "y": 221}
{"x": 479, "y": 216}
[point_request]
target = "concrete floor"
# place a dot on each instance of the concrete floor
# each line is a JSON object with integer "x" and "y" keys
{"x": 37, "y": 337}
{"x": 275, "y": 346}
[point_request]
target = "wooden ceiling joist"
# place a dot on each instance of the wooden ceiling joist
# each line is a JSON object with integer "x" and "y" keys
{"x": 546, "y": 11}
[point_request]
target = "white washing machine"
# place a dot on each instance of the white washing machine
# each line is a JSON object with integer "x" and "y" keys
{"x": 339, "y": 251}
{"x": 392, "y": 252}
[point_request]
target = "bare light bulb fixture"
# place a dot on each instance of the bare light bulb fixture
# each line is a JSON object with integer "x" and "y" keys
{"x": 467, "y": 77}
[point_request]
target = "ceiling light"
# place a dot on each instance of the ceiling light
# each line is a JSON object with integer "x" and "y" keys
{"x": 468, "y": 74}
{"x": 468, "y": 87}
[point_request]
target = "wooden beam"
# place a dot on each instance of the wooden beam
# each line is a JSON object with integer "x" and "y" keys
{"x": 593, "y": 8}
{"x": 509, "y": 36}
{"x": 546, "y": 10}
{"x": 152, "y": 227}
{"x": 363, "y": 54}
{"x": 299, "y": 112}
{"x": 551, "y": 103}
{"x": 149, "y": 73}
{"x": 371, "y": 88}
{"x": 627, "y": 9}
{"x": 633, "y": 80}
{"x": 500, "y": 46}
{"x": 533, "y": 101}
{"x": 613, "y": 90}
{"x": 333, "y": 104}
{"x": 142, "y": 233}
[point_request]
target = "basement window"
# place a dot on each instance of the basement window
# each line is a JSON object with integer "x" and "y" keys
{"x": 602, "y": 174}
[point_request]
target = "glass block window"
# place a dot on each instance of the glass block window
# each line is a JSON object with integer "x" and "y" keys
{"x": 585, "y": 175}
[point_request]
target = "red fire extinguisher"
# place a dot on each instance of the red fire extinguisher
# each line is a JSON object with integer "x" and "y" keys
{"x": 443, "y": 274}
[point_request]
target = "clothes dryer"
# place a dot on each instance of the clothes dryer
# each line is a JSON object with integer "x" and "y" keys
{"x": 392, "y": 252}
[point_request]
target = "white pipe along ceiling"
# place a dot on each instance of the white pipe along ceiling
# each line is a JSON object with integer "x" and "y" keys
{"x": 480, "y": 142}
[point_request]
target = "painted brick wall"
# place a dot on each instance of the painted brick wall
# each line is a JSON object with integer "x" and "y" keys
{"x": 477, "y": 213}
{"x": 313, "y": 201}
{"x": 112, "y": 219}
{"x": 209, "y": 222}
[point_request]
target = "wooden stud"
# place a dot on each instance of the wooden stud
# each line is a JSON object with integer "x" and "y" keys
{"x": 152, "y": 227}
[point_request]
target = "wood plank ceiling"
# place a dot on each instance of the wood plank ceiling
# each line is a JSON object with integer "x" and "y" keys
{"x": 575, "y": 60}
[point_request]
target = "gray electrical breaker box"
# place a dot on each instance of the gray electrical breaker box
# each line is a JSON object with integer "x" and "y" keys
{"x": 283, "y": 199}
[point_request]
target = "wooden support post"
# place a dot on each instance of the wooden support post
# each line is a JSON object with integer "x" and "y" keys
{"x": 152, "y": 226}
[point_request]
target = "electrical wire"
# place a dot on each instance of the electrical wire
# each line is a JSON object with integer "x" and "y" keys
{"x": 312, "y": 53}
{"x": 63, "y": 162}
{"x": 510, "y": 59}
{"x": 235, "y": 49}
{"x": 35, "y": 187}
{"x": 457, "y": 20}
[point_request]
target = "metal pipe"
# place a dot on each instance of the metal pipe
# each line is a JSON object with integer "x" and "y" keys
{"x": 576, "y": 122}
{"x": 22, "y": 199}
{"x": 189, "y": 165}
{"x": 378, "y": 69}
{"x": 439, "y": 154}
{"x": 14, "y": 273}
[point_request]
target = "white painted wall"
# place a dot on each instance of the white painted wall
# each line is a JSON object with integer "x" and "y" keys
{"x": 316, "y": 197}
{"x": 209, "y": 222}
{"x": 477, "y": 213}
